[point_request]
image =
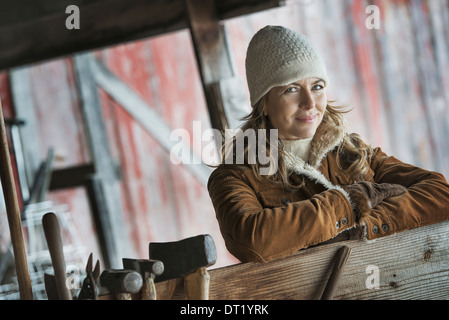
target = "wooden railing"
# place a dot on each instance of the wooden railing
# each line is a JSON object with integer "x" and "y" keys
{"x": 413, "y": 264}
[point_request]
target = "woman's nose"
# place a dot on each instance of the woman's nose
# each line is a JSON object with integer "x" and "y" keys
{"x": 307, "y": 100}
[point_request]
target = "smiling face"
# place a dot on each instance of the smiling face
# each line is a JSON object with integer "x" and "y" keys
{"x": 297, "y": 109}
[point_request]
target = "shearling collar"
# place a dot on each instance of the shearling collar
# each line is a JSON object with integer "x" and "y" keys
{"x": 300, "y": 148}
{"x": 328, "y": 135}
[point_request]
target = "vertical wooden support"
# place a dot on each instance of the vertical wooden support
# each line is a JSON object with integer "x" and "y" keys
{"x": 107, "y": 189}
{"x": 25, "y": 109}
{"x": 215, "y": 63}
{"x": 99, "y": 209}
{"x": 13, "y": 213}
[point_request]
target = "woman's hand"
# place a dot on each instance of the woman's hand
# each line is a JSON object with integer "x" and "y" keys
{"x": 367, "y": 195}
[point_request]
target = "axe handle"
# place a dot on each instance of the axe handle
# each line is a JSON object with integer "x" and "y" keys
{"x": 13, "y": 214}
{"x": 54, "y": 243}
{"x": 197, "y": 284}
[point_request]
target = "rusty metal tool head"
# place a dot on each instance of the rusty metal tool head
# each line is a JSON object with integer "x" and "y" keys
{"x": 89, "y": 291}
{"x": 148, "y": 269}
{"x": 122, "y": 283}
{"x": 187, "y": 258}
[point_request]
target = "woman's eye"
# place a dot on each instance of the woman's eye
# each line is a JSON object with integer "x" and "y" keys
{"x": 292, "y": 89}
{"x": 318, "y": 87}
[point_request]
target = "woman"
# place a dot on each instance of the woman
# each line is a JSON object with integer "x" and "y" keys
{"x": 326, "y": 182}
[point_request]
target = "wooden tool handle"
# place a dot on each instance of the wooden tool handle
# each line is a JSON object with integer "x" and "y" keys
{"x": 148, "y": 291}
{"x": 54, "y": 243}
{"x": 339, "y": 265}
{"x": 13, "y": 213}
{"x": 197, "y": 285}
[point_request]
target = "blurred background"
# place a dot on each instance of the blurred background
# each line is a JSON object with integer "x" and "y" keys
{"x": 90, "y": 129}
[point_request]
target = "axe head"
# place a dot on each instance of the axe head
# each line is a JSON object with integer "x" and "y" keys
{"x": 184, "y": 256}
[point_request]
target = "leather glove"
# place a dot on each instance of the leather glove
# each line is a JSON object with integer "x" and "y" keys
{"x": 367, "y": 195}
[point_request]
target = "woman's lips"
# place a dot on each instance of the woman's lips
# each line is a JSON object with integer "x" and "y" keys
{"x": 307, "y": 119}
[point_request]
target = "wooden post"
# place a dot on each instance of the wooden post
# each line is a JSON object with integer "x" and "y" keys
{"x": 215, "y": 62}
{"x": 13, "y": 213}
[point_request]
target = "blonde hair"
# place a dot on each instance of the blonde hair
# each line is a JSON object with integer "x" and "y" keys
{"x": 352, "y": 153}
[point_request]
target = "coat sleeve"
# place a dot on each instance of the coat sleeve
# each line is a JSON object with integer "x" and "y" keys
{"x": 254, "y": 233}
{"x": 425, "y": 202}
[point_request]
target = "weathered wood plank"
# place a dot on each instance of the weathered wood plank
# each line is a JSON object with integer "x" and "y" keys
{"x": 413, "y": 264}
{"x": 41, "y": 25}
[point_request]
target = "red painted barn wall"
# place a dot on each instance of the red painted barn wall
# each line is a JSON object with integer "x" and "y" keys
{"x": 395, "y": 79}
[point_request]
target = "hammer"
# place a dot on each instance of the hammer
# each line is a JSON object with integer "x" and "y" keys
{"x": 122, "y": 283}
{"x": 187, "y": 258}
{"x": 148, "y": 269}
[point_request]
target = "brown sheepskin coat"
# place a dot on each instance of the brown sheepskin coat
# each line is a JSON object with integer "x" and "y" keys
{"x": 261, "y": 221}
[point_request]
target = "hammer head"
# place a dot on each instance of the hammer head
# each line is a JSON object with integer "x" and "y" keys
{"x": 144, "y": 266}
{"x": 184, "y": 256}
{"x": 121, "y": 281}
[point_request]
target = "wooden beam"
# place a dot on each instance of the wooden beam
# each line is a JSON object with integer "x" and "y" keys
{"x": 71, "y": 177}
{"x": 215, "y": 62}
{"x": 212, "y": 54}
{"x": 99, "y": 209}
{"x": 413, "y": 264}
{"x": 40, "y": 25}
{"x": 111, "y": 215}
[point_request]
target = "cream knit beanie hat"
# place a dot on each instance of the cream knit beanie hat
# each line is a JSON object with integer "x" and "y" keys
{"x": 278, "y": 56}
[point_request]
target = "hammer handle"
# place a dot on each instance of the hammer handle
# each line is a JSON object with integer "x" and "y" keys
{"x": 54, "y": 242}
{"x": 148, "y": 291}
{"x": 339, "y": 265}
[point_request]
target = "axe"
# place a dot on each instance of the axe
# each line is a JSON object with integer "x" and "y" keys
{"x": 187, "y": 258}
